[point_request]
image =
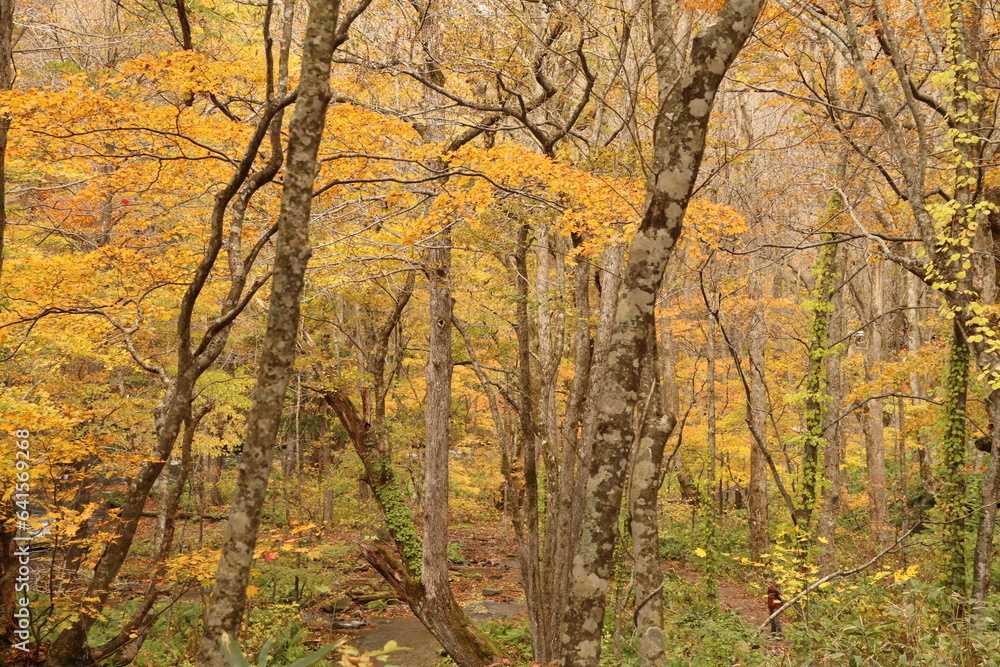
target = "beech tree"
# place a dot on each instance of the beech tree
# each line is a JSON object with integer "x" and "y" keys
{"x": 678, "y": 146}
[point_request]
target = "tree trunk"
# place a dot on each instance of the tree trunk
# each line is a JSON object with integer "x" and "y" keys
{"x": 442, "y": 616}
{"x": 829, "y": 514}
{"x": 124, "y": 647}
{"x": 644, "y": 488}
{"x": 757, "y": 510}
{"x": 874, "y": 427}
{"x": 679, "y": 142}
{"x": 6, "y": 83}
{"x": 952, "y": 447}
{"x": 434, "y": 565}
{"x": 559, "y": 538}
{"x": 225, "y": 609}
{"x": 710, "y": 418}
{"x": 983, "y": 555}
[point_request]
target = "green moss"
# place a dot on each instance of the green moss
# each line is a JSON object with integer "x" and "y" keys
{"x": 398, "y": 516}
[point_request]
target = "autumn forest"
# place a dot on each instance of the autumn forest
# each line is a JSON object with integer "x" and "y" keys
{"x": 483, "y": 332}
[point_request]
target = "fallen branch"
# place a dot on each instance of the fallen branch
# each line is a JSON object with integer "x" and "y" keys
{"x": 839, "y": 574}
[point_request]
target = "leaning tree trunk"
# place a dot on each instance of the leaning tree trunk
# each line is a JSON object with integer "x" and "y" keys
{"x": 225, "y": 609}
{"x": 465, "y": 643}
{"x": 679, "y": 143}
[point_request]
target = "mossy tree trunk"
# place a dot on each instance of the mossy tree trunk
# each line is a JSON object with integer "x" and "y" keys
{"x": 684, "y": 107}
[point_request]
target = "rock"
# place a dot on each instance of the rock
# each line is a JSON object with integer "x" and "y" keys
{"x": 491, "y": 592}
{"x": 340, "y": 624}
{"x": 341, "y": 604}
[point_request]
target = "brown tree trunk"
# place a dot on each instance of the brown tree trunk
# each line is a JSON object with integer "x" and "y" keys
{"x": 679, "y": 142}
{"x": 757, "y": 510}
{"x": 710, "y": 418}
{"x": 6, "y": 83}
{"x": 523, "y": 477}
{"x": 124, "y": 647}
{"x": 225, "y": 609}
{"x": 434, "y": 564}
{"x": 874, "y": 428}
{"x": 982, "y": 557}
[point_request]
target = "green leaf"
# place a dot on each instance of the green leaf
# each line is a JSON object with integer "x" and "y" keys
{"x": 234, "y": 656}
{"x": 315, "y": 656}
{"x": 265, "y": 650}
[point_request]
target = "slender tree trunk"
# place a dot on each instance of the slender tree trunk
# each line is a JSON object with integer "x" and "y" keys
{"x": 225, "y": 609}
{"x": 670, "y": 405}
{"x": 679, "y": 142}
{"x": 710, "y": 418}
{"x": 815, "y": 402}
{"x": 983, "y": 555}
{"x": 124, "y": 647}
{"x": 874, "y": 427}
{"x": 525, "y": 485}
{"x": 757, "y": 510}
{"x": 6, "y": 83}
{"x": 559, "y": 540}
{"x": 829, "y": 514}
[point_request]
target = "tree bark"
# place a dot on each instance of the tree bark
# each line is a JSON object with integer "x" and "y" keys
{"x": 952, "y": 484}
{"x": 982, "y": 557}
{"x": 874, "y": 428}
{"x": 644, "y": 488}
{"x": 434, "y": 567}
{"x": 679, "y": 142}
{"x": 225, "y": 609}
{"x": 829, "y": 514}
{"x": 6, "y": 83}
{"x": 757, "y": 510}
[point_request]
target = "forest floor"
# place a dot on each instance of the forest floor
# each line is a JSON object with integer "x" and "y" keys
{"x": 487, "y": 584}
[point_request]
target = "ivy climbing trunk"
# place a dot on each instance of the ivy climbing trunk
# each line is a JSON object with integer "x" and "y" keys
{"x": 829, "y": 513}
{"x": 225, "y": 609}
{"x": 821, "y": 307}
{"x": 679, "y": 133}
{"x": 952, "y": 454}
